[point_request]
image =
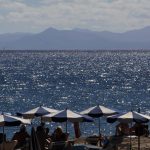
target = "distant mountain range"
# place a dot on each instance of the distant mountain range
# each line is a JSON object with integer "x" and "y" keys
{"x": 76, "y": 39}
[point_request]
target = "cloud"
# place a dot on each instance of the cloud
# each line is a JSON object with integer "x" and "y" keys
{"x": 112, "y": 15}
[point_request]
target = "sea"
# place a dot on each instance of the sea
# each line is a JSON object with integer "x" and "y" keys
{"x": 77, "y": 80}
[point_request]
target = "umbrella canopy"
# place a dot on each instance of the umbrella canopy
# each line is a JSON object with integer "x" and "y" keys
{"x": 98, "y": 111}
{"x": 129, "y": 117}
{"x": 67, "y": 115}
{"x": 8, "y": 120}
{"x": 37, "y": 112}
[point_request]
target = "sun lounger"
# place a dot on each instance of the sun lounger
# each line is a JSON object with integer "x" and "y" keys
{"x": 92, "y": 147}
{"x": 8, "y": 145}
{"x": 61, "y": 145}
{"x": 98, "y": 141}
{"x": 93, "y": 140}
{"x": 85, "y": 147}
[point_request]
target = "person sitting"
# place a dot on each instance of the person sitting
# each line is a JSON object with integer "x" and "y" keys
{"x": 140, "y": 129}
{"x": 94, "y": 139}
{"x": 122, "y": 129}
{"x": 58, "y": 135}
{"x": 59, "y": 140}
{"x": 42, "y": 137}
{"x": 21, "y": 137}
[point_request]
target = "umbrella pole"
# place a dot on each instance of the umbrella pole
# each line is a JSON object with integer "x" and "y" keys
{"x": 130, "y": 138}
{"x": 139, "y": 142}
{"x": 139, "y": 137}
{"x": 99, "y": 126}
{"x": 3, "y": 138}
{"x": 41, "y": 119}
{"x": 66, "y": 125}
{"x": 139, "y": 132}
{"x": 100, "y": 131}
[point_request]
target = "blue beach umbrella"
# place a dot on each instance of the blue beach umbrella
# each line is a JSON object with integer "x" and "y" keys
{"x": 9, "y": 121}
{"x": 98, "y": 111}
{"x": 129, "y": 117}
{"x": 37, "y": 112}
{"x": 65, "y": 116}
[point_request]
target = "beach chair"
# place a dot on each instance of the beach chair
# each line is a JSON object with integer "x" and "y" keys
{"x": 8, "y": 145}
{"x": 61, "y": 145}
{"x": 93, "y": 147}
{"x": 93, "y": 140}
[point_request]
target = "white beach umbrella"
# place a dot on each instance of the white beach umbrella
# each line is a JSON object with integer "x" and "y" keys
{"x": 98, "y": 111}
{"x": 67, "y": 115}
{"x": 37, "y": 112}
{"x": 8, "y": 120}
{"x": 130, "y": 117}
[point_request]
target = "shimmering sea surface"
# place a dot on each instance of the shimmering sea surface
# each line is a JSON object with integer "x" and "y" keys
{"x": 75, "y": 80}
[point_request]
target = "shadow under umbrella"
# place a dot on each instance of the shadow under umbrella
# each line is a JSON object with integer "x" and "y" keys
{"x": 129, "y": 117}
{"x": 10, "y": 121}
{"x": 65, "y": 116}
{"x": 97, "y": 112}
{"x": 36, "y": 112}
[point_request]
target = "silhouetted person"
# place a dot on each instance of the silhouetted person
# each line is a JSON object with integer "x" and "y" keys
{"x": 21, "y": 137}
{"x": 42, "y": 137}
{"x": 122, "y": 129}
{"x": 58, "y": 135}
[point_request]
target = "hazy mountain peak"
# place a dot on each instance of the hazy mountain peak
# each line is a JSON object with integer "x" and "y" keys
{"x": 77, "y": 38}
{"x": 81, "y": 30}
{"x": 50, "y": 30}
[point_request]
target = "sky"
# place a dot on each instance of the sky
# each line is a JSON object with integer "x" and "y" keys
{"x": 98, "y": 15}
